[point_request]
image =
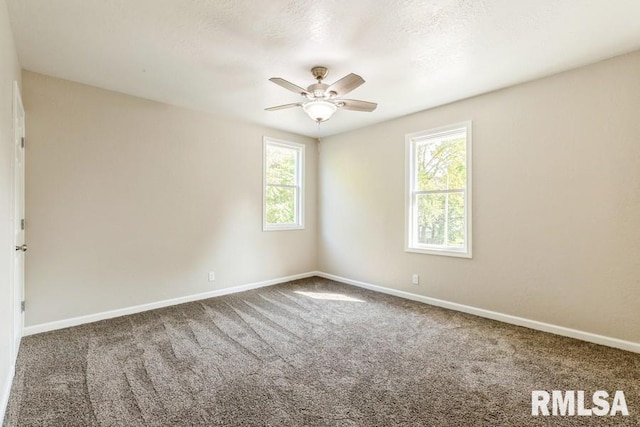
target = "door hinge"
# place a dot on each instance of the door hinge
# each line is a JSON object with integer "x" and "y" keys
{"x": 22, "y": 224}
{"x": 22, "y": 305}
{"x": 22, "y": 143}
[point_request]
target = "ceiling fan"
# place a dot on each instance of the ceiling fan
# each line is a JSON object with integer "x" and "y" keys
{"x": 321, "y": 99}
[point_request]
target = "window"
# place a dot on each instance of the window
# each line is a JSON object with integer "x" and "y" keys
{"x": 283, "y": 192}
{"x": 438, "y": 205}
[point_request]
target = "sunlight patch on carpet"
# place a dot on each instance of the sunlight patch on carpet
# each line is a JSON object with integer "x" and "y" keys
{"x": 328, "y": 296}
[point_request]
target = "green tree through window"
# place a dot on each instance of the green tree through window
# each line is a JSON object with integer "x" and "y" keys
{"x": 438, "y": 190}
{"x": 441, "y": 168}
{"x": 282, "y": 184}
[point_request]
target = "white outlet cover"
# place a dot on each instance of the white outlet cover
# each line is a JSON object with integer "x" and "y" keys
{"x": 212, "y": 276}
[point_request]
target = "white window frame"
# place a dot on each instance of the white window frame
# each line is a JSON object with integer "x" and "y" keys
{"x": 411, "y": 244}
{"x": 299, "y": 184}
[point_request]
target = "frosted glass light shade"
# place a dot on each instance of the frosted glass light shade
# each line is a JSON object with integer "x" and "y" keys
{"x": 319, "y": 110}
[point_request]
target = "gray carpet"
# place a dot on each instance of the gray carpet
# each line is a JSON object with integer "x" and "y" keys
{"x": 307, "y": 353}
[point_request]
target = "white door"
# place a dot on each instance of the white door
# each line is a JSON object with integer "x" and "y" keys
{"x": 18, "y": 218}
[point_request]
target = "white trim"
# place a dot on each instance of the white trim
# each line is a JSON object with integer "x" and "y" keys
{"x": 16, "y": 295}
{"x": 300, "y": 173}
{"x": 6, "y": 390}
{"x": 506, "y": 318}
{"x": 17, "y": 331}
{"x": 410, "y": 140}
{"x": 75, "y": 321}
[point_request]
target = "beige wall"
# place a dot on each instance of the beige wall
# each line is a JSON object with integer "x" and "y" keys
{"x": 9, "y": 72}
{"x": 556, "y": 209}
{"x": 131, "y": 201}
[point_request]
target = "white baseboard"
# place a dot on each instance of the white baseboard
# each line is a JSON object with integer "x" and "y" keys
{"x": 6, "y": 391}
{"x": 75, "y": 321}
{"x": 506, "y": 318}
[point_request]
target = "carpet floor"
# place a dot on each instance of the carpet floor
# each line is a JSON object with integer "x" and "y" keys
{"x": 311, "y": 352}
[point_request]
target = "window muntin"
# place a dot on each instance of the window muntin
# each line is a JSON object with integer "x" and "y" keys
{"x": 283, "y": 192}
{"x": 439, "y": 191}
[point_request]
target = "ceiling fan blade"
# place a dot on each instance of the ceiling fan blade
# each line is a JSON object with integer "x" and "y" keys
{"x": 282, "y": 107}
{"x": 356, "y": 105}
{"x": 289, "y": 86}
{"x": 346, "y": 84}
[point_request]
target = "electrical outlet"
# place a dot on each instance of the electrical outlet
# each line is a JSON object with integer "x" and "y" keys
{"x": 415, "y": 279}
{"x": 212, "y": 276}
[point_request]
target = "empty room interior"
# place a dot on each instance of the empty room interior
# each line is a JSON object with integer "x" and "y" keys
{"x": 296, "y": 213}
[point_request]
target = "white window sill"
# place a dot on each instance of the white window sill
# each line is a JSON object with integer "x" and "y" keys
{"x": 282, "y": 227}
{"x": 443, "y": 252}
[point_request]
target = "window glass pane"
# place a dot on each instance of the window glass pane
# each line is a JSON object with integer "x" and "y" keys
{"x": 281, "y": 205}
{"x": 430, "y": 219}
{"x": 281, "y": 165}
{"x": 440, "y": 219}
{"x": 455, "y": 220}
{"x": 441, "y": 165}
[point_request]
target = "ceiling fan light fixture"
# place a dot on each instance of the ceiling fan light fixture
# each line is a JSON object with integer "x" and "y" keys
{"x": 319, "y": 110}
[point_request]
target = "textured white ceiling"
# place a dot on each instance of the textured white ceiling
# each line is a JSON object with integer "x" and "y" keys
{"x": 217, "y": 55}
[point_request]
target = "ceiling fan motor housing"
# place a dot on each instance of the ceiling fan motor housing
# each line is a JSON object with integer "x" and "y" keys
{"x": 319, "y": 91}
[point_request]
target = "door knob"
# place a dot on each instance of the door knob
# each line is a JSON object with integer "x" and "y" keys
{"x": 22, "y": 248}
